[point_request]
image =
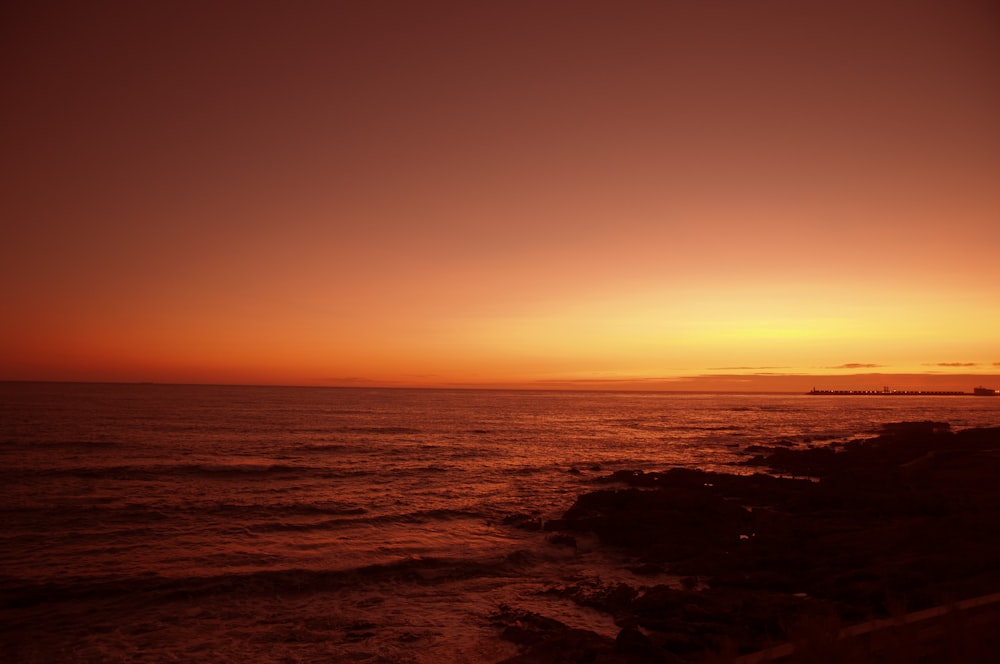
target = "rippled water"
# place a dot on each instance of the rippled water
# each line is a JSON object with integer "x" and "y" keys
{"x": 225, "y": 523}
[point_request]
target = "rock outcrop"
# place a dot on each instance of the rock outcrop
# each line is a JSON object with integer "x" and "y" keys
{"x": 832, "y": 535}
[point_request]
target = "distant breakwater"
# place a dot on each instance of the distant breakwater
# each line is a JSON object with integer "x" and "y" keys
{"x": 925, "y": 393}
{"x": 918, "y": 393}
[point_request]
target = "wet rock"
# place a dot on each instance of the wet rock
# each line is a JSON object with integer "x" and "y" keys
{"x": 525, "y": 627}
{"x": 665, "y": 524}
{"x": 911, "y": 429}
{"x": 638, "y": 647}
{"x": 562, "y": 540}
{"x": 543, "y": 639}
{"x": 633, "y": 478}
{"x": 909, "y": 518}
{"x": 613, "y": 599}
{"x": 522, "y": 521}
{"x": 647, "y": 569}
{"x": 814, "y": 461}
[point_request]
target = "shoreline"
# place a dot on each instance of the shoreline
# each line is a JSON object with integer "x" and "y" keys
{"x": 825, "y": 537}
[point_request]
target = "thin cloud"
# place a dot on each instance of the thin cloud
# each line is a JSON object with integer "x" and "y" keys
{"x": 956, "y": 364}
{"x": 750, "y": 375}
{"x": 856, "y": 365}
{"x": 598, "y": 379}
{"x": 743, "y": 368}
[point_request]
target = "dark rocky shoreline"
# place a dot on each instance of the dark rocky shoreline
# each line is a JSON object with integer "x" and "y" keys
{"x": 824, "y": 536}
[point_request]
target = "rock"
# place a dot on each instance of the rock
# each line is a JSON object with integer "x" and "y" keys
{"x": 637, "y": 647}
{"x": 647, "y": 569}
{"x": 545, "y": 640}
{"x": 666, "y": 524}
{"x": 909, "y": 518}
{"x": 522, "y": 521}
{"x": 613, "y": 599}
{"x": 910, "y": 429}
{"x": 562, "y": 540}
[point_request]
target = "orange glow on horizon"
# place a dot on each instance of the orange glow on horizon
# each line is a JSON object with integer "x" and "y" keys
{"x": 667, "y": 197}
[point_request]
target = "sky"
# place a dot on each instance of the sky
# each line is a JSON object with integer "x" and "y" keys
{"x": 641, "y": 195}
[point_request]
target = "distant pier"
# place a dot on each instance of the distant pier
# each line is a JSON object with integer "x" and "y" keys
{"x": 885, "y": 391}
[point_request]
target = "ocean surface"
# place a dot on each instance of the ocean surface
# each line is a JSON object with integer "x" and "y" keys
{"x": 156, "y": 523}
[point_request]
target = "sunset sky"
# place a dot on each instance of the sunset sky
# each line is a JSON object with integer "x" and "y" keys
{"x": 674, "y": 195}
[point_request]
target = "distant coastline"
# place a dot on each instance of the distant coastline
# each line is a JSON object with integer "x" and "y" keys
{"x": 886, "y": 391}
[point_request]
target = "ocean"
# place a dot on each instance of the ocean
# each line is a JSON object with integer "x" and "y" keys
{"x": 156, "y": 523}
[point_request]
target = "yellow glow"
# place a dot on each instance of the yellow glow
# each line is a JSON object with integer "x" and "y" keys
{"x": 325, "y": 216}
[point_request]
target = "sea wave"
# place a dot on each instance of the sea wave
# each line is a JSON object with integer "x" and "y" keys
{"x": 364, "y": 518}
{"x": 59, "y": 444}
{"x": 16, "y": 594}
{"x": 386, "y": 431}
{"x": 240, "y": 471}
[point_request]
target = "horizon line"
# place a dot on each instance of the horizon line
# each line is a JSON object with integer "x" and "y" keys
{"x": 652, "y": 385}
